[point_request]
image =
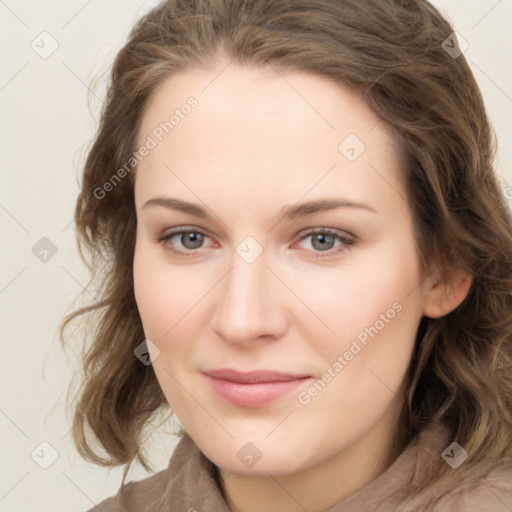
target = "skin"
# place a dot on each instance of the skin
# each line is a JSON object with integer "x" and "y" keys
{"x": 257, "y": 141}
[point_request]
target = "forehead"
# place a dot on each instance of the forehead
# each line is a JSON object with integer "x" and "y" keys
{"x": 253, "y": 126}
{"x": 234, "y": 94}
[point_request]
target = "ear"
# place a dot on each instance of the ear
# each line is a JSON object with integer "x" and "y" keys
{"x": 446, "y": 289}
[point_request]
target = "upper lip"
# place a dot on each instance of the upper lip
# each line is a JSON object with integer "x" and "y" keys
{"x": 254, "y": 376}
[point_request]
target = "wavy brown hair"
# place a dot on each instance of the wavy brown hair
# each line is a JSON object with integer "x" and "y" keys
{"x": 392, "y": 53}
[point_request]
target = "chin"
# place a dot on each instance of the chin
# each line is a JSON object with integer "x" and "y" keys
{"x": 279, "y": 466}
{"x": 242, "y": 456}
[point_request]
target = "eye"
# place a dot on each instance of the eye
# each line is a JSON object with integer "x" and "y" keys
{"x": 190, "y": 240}
{"x": 186, "y": 242}
{"x": 324, "y": 240}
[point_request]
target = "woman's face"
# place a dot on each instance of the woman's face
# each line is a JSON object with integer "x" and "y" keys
{"x": 297, "y": 257}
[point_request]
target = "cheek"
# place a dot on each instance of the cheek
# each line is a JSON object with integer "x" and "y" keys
{"x": 164, "y": 294}
{"x": 375, "y": 313}
{"x": 366, "y": 294}
{"x": 152, "y": 295}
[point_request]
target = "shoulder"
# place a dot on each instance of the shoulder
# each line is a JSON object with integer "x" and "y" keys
{"x": 189, "y": 478}
{"x": 491, "y": 491}
{"x": 140, "y": 496}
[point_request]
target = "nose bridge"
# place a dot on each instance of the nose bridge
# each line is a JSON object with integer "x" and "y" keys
{"x": 247, "y": 306}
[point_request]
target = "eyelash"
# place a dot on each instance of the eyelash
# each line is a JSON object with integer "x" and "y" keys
{"x": 347, "y": 242}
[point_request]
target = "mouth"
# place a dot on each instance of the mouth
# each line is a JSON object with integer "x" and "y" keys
{"x": 253, "y": 389}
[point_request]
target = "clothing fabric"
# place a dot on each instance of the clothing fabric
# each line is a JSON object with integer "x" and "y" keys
{"x": 191, "y": 484}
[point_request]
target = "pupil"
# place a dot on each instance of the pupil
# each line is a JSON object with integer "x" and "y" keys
{"x": 323, "y": 239}
{"x": 195, "y": 239}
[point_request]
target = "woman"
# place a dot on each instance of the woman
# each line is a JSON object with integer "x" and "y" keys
{"x": 303, "y": 253}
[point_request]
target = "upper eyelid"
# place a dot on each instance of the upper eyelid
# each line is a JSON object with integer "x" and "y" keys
{"x": 332, "y": 231}
{"x": 186, "y": 229}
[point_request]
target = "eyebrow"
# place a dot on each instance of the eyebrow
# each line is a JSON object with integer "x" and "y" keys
{"x": 289, "y": 212}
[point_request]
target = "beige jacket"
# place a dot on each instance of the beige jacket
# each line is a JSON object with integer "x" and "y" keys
{"x": 190, "y": 484}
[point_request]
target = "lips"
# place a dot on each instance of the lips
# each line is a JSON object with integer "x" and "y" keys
{"x": 253, "y": 389}
{"x": 255, "y": 376}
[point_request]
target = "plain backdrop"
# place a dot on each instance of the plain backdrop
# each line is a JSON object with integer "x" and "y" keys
{"x": 50, "y": 53}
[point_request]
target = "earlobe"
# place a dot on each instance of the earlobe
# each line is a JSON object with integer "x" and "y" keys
{"x": 447, "y": 290}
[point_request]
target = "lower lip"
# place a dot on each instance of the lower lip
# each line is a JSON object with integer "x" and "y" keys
{"x": 253, "y": 395}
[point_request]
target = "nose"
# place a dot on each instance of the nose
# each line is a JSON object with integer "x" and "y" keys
{"x": 249, "y": 305}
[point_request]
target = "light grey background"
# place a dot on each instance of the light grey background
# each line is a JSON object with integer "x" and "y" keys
{"x": 46, "y": 128}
